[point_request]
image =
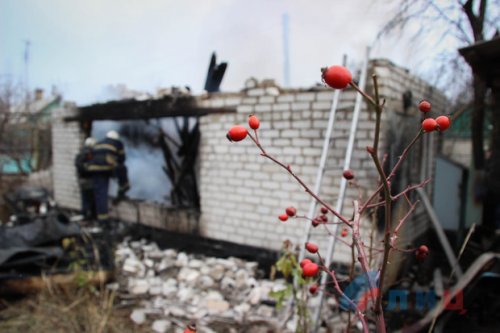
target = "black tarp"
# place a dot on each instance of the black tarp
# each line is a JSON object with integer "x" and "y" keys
{"x": 36, "y": 240}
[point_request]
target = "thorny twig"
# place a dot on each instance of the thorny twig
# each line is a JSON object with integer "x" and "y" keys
{"x": 359, "y": 314}
{"x": 402, "y": 157}
{"x": 375, "y": 292}
{"x": 288, "y": 168}
{"x": 403, "y": 193}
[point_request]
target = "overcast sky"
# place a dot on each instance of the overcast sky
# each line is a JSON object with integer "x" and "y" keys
{"x": 82, "y": 46}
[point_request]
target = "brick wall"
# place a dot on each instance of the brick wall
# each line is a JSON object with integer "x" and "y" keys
{"x": 66, "y": 141}
{"x": 242, "y": 193}
{"x": 156, "y": 215}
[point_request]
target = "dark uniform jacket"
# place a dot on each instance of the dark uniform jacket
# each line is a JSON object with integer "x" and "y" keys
{"x": 82, "y": 160}
{"x": 107, "y": 155}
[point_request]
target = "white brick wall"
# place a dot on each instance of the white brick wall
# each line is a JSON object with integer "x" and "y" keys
{"x": 258, "y": 190}
{"x": 66, "y": 141}
{"x": 242, "y": 193}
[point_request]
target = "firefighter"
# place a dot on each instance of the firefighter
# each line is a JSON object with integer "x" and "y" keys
{"x": 85, "y": 179}
{"x": 108, "y": 161}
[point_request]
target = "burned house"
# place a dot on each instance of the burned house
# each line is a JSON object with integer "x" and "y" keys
{"x": 228, "y": 192}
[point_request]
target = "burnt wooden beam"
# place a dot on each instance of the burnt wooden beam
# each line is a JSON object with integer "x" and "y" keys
{"x": 147, "y": 109}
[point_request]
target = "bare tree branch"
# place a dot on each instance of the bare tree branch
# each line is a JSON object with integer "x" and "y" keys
{"x": 463, "y": 35}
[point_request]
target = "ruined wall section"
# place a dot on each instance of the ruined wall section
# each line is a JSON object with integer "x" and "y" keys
{"x": 66, "y": 142}
{"x": 242, "y": 193}
{"x": 156, "y": 215}
{"x": 67, "y": 139}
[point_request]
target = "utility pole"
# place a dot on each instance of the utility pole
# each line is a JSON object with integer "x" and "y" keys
{"x": 27, "y": 45}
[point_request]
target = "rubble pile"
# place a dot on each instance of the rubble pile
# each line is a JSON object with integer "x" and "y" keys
{"x": 168, "y": 289}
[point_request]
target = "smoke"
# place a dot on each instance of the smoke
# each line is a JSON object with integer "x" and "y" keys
{"x": 115, "y": 92}
{"x": 147, "y": 179}
{"x": 144, "y": 158}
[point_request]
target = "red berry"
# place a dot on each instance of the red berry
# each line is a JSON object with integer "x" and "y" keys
{"x": 323, "y": 218}
{"x": 310, "y": 270}
{"x": 324, "y": 210}
{"x": 253, "y": 122}
{"x": 311, "y": 247}
{"x": 424, "y": 106}
{"x": 305, "y": 262}
{"x": 191, "y": 328}
{"x": 283, "y": 217}
{"x": 237, "y": 133}
{"x": 343, "y": 233}
{"x": 443, "y": 123}
{"x": 423, "y": 248}
{"x": 422, "y": 252}
{"x": 337, "y": 77}
{"x": 313, "y": 288}
{"x": 429, "y": 125}
{"x": 315, "y": 222}
{"x": 291, "y": 211}
{"x": 348, "y": 174}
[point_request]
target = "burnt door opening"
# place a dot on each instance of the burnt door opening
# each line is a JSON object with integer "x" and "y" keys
{"x": 180, "y": 166}
{"x": 161, "y": 138}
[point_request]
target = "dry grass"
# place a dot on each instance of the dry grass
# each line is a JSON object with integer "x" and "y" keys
{"x": 66, "y": 310}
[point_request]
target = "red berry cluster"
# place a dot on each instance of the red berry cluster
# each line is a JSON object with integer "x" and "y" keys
{"x": 309, "y": 268}
{"x": 238, "y": 132}
{"x": 441, "y": 123}
{"x": 322, "y": 218}
{"x": 289, "y": 212}
{"x": 304, "y": 262}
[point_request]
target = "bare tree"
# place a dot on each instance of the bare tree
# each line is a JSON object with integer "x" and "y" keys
{"x": 9, "y": 98}
{"x": 24, "y": 133}
{"x": 466, "y": 22}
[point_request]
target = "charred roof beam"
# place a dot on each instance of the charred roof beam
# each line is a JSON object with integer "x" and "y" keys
{"x": 147, "y": 109}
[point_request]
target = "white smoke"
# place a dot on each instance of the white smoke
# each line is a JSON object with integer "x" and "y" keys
{"x": 144, "y": 160}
